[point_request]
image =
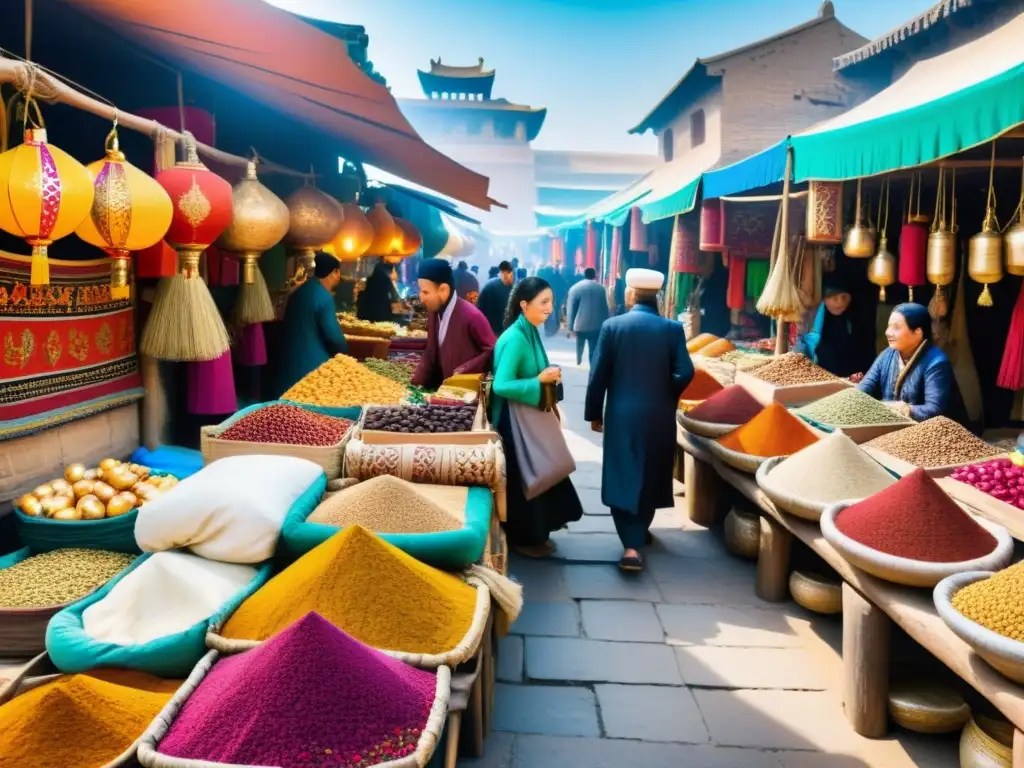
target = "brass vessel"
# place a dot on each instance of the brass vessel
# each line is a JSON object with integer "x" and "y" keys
{"x": 985, "y": 261}
{"x": 983, "y": 748}
{"x": 816, "y": 593}
{"x": 882, "y": 267}
{"x": 940, "y": 264}
{"x": 742, "y": 533}
{"x": 927, "y": 707}
{"x": 1013, "y": 240}
{"x": 259, "y": 219}
{"x": 860, "y": 239}
{"x": 914, "y": 215}
{"x": 315, "y": 217}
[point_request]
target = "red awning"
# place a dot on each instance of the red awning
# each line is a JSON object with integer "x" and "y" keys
{"x": 289, "y": 65}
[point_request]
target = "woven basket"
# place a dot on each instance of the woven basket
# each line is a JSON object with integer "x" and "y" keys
{"x": 704, "y": 428}
{"x": 328, "y": 457}
{"x": 926, "y": 707}
{"x": 149, "y": 757}
{"x": 743, "y": 533}
{"x": 744, "y": 462}
{"x": 805, "y": 508}
{"x": 1002, "y": 653}
{"x": 979, "y": 749}
{"x": 816, "y": 593}
{"x": 464, "y": 650}
{"x": 902, "y": 570}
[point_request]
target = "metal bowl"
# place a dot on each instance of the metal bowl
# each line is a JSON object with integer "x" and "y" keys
{"x": 817, "y": 593}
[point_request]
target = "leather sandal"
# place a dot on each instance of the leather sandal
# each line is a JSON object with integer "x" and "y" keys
{"x": 631, "y": 563}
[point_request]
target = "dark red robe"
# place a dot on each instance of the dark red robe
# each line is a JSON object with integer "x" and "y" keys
{"x": 468, "y": 346}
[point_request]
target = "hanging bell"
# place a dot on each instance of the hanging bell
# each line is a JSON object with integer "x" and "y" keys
{"x": 882, "y": 268}
{"x": 860, "y": 238}
{"x": 1013, "y": 240}
{"x": 940, "y": 260}
{"x": 985, "y": 264}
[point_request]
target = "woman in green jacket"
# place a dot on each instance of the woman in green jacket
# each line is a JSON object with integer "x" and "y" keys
{"x": 520, "y": 369}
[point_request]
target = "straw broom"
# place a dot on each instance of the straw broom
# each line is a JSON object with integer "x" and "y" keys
{"x": 254, "y": 304}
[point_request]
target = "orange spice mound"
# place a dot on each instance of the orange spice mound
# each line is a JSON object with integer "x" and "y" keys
{"x": 773, "y": 432}
{"x": 698, "y": 342}
{"x": 703, "y": 386}
{"x": 717, "y": 348}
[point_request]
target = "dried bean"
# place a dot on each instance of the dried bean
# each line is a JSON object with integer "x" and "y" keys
{"x": 287, "y": 424}
{"x": 421, "y": 419}
{"x": 936, "y": 442}
{"x": 58, "y": 577}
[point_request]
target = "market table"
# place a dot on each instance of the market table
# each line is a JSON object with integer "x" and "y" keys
{"x": 870, "y": 605}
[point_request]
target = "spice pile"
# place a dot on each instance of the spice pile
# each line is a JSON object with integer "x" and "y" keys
{"x": 746, "y": 361}
{"x": 703, "y": 386}
{"x": 397, "y": 371}
{"x": 168, "y": 593}
{"x": 1000, "y": 478}
{"x": 717, "y": 348}
{"x": 996, "y": 603}
{"x": 724, "y": 373}
{"x": 791, "y": 369}
{"x": 353, "y": 326}
{"x": 773, "y": 432}
{"x": 700, "y": 341}
{"x": 79, "y": 720}
{"x": 112, "y": 489}
{"x": 342, "y": 382}
{"x": 936, "y": 442}
{"x": 279, "y": 705}
{"x": 733, "y": 405}
{"x": 370, "y": 589}
{"x": 420, "y": 419}
{"x": 388, "y": 504}
{"x": 833, "y": 469}
{"x": 288, "y": 424}
{"x": 850, "y": 407}
{"x": 58, "y": 577}
{"x": 914, "y": 519}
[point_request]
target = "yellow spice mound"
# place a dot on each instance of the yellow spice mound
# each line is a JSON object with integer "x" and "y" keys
{"x": 389, "y": 504}
{"x": 343, "y": 382}
{"x": 368, "y": 588}
{"x": 996, "y": 603}
{"x": 81, "y": 720}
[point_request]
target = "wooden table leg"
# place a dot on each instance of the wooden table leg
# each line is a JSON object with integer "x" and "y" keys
{"x": 703, "y": 491}
{"x": 475, "y": 710}
{"x": 866, "y": 631}
{"x": 772, "y": 582}
{"x": 1018, "y": 749}
{"x": 678, "y": 465}
{"x": 451, "y": 747}
{"x": 488, "y": 674}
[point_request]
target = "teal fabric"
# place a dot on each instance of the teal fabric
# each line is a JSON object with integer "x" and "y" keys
{"x": 170, "y": 460}
{"x": 680, "y": 201}
{"x": 519, "y": 357}
{"x": 444, "y": 549}
{"x": 762, "y": 169}
{"x": 310, "y": 333}
{"x": 352, "y": 414}
{"x": 172, "y": 656}
{"x": 13, "y": 558}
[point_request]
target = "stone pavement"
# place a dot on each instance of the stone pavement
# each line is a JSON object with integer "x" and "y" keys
{"x": 681, "y": 667}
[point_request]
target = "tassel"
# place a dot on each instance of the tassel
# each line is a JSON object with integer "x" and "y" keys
{"x": 254, "y": 304}
{"x": 985, "y": 300}
{"x": 506, "y": 593}
{"x": 40, "y": 266}
{"x": 1011, "y": 370}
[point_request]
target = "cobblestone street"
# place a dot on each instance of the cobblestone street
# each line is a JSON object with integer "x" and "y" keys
{"x": 681, "y": 667}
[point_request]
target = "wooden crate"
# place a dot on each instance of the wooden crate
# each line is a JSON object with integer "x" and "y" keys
{"x": 479, "y": 435}
{"x": 984, "y": 505}
{"x": 329, "y": 457}
{"x": 791, "y": 396}
{"x": 901, "y": 467}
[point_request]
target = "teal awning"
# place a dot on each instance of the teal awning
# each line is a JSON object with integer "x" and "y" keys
{"x": 940, "y": 106}
{"x": 681, "y": 201}
{"x": 763, "y": 169}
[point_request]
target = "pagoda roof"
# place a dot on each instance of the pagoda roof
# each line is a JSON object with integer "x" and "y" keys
{"x": 533, "y": 116}
{"x": 445, "y": 78}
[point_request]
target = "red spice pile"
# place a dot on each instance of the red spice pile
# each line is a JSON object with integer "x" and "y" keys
{"x": 288, "y": 424}
{"x": 733, "y": 405}
{"x": 915, "y": 519}
{"x": 703, "y": 386}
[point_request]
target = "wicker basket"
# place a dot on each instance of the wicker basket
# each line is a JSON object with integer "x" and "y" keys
{"x": 902, "y": 570}
{"x": 1002, "y": 653}
{"x": 743, "y": 533}
{"x": 816, "y": 593}
{"x": 979, "y": 749}
{"x": 147, "y": 745}
{"x": 744, "y": 462}
{"x": 927, "y": 707}
{"x": 704, "y": 428}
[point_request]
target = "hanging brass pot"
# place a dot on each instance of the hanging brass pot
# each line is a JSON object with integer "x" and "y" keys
{"x": 985, "y": 262}
{"x": 1013, "y": 240}
{"x": 860, "y": 238}
{"x": 882, "y": 267}
{"x": 259, "y": 219}
{"x": 940, "y": 263}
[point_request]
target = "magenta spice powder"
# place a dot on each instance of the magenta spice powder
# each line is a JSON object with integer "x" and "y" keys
{"x": 311, "y": 695}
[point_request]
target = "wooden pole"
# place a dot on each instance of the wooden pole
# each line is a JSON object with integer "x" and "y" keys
{"x": 704, "y": 491}
{"x": 866, "y": 631}
{"x": 772, "y": 580}
{"x": 781, "y": 330}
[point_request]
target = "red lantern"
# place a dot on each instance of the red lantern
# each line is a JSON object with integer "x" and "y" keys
{"x": 591, "y": 242}
{"x": 712, "y": 225}
{"x": 202, "y": 206}
{"x": 637, "y": 231}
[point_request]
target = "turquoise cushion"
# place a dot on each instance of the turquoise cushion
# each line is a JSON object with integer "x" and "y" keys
{"x": 172, "y": 656}
{"x": 170, "y": 460}
{"x": 444, "y": 549}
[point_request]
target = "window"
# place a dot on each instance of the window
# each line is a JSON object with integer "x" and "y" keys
{"x": 697, "y": 128}
{"x": 667, "y": 142}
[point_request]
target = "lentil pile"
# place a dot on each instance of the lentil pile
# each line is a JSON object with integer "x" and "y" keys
{"x": 388, "y": 504}
{"x": 278, "y": 704}
{"x": 833, "y": 469}
{"x": 58, "y": 577}
{"x": 342, "y": 382}
{"x": 936, "y": 442}
{"x": 1000, "y": 478}
{"x": 733, "y": 405}
{"x": 773, "y": 432}
{"x": 395, "y": 370}
{"x": 791, "y": 369}
{"x": 81, "y": 720}
{"x": 419, "y": 419}
{"x": 913, "y": 518}
{"x": 368, "y": 588}
{"x": 287, "y": 424}
{"x": 703, "y": 386}
{"x": 850, "y": 407}
{"x": 996, "y": 603}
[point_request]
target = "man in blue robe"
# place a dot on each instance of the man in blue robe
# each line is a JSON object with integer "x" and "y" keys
{"x": 642, "y": 366}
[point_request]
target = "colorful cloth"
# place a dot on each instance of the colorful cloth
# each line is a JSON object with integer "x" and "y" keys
{"x": 68, "y": 348}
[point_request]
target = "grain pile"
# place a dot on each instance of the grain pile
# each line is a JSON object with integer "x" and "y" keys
{"x": 353, "y": 326}
{"x": 996, "y": 603}
{"x": 342, "y": 382}
{"x": 58, "y": 577}
{"x": 746, "y": 361}
{"x": 791, "y": 369}
{"x": 851, "y": 407}
{"x": 936, "y": 442}
{"x": 388, "y": 504}
{"x": 723, "y": 372}
{"x": 287, "y": 424}
{"x": 833, "y": 469}
{"x": 397, "y": 371}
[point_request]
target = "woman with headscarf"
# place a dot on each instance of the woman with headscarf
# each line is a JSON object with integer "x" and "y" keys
{"x": 913, "y": 376}
{"x": 834, "y": 341}
{"x": 375, "y": 302}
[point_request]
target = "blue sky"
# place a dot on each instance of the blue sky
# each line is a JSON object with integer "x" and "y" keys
{"x": 597, "y": 65}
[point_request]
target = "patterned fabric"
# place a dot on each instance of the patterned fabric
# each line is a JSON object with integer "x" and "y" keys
{"x": 68, "y": 347}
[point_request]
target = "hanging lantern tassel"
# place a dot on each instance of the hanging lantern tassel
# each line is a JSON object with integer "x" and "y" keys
{"x": 184, "y": 324}
{"x": 1011, "y": 371}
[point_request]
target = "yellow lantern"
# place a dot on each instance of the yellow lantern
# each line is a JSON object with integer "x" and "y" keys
{"x": 45, "y": 195}
{"x": 355, "y": 235}
{"x": 130, "y": 212}
{"x": 385, "y": 233}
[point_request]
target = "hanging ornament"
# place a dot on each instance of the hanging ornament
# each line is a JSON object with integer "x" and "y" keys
{"x": 45, "y": 195}
{"x": 882, "y": 267}
{"x": 354, "y": 236}
{"x": 825, "y": 212}
{"x": 913, "y": 243}
{"x": 1014, "y": 238}
{"x": 385, "y": 233}
{"x": 860, "y": 239}
{"x": 259, "y": 219}
{"x": 185, "y": 324}
{"x": 130, "y": 212}
{"x": 940, "y": 264}
{"x": 712, "y": 225}
{"x": 590, "y": 240}
{"x": 409, "y": 243}
{"x": 314, "y": 219}
{"x": 985, "y": 252}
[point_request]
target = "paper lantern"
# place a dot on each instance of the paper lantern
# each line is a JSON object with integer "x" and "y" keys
{"x": 315, "y": 218}
{"x": 590, "y": 259}
{"x": 412, "y": 240}
{"x": 385, "y": 233}
{"x": 354, "y": 236}
{"x": 637, "y": 231}
{"x": 712, "y": 225}
{"x": 44, "y": 195}
{"x": 453, "y": 247}
{"x": 130, "y": 212}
